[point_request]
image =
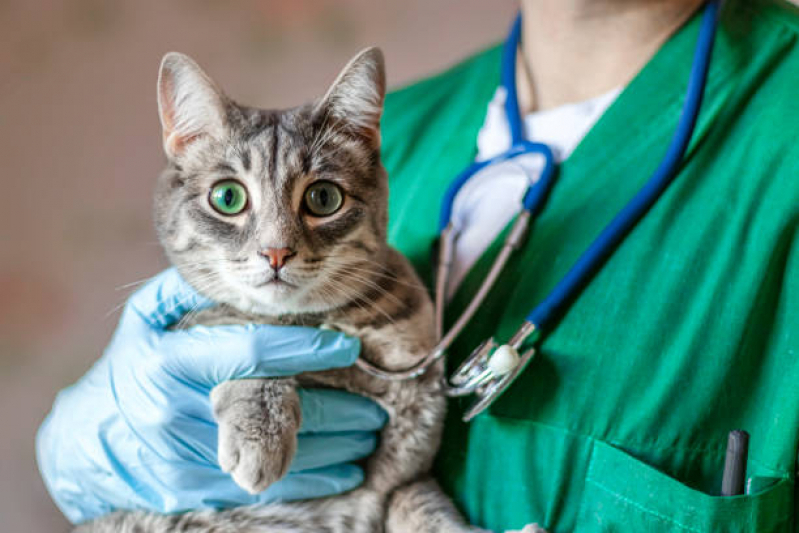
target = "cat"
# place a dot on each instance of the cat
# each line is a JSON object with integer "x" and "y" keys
{"x": 281, "y": 218}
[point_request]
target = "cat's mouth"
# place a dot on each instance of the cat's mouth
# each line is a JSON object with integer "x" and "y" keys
{"x": 275, "y": 282}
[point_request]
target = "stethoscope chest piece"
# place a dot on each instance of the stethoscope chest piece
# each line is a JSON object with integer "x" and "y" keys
{"x": 490, "y": 369}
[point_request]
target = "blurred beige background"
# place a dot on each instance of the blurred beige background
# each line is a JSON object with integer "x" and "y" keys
{"x": 80, "y": 149}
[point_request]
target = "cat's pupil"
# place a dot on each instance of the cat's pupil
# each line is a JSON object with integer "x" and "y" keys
{"x": 323, "y": 197}
{"x": 229, "y": 197}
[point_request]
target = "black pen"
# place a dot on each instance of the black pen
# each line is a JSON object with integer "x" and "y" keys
{"x": 732, "y": 483}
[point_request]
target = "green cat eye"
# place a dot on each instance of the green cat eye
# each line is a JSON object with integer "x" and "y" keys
{"x": 228, "y": 197}
{"x": 323, "y": 198}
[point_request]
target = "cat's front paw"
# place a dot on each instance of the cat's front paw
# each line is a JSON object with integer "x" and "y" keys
{"x": 253, "y": 461}
{"x": 258, "y": 423}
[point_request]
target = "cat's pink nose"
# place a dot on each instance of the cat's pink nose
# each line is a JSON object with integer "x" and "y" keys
{"x": 277, "y": 257}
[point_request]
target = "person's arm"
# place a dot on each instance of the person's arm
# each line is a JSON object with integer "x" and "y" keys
{"x": 137, "y": 431}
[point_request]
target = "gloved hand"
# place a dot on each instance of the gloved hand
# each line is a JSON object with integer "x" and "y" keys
{"x": 137, "y": 431}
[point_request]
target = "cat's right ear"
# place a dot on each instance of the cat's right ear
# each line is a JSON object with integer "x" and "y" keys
{"x": 356, "y": 97}
{"x": 191, "y": 106}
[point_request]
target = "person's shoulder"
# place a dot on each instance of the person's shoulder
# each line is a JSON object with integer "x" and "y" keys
{"x": 780, "y": 13}
{"x": 767, "y": 132}
{"x": 429, "y": 99}
{"x": 767, "y": 39}
{"x": 442, "y": 82}
{"x": 416, "y": 115}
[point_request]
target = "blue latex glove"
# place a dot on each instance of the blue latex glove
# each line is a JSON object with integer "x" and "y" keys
{"x": 137, "y": 431}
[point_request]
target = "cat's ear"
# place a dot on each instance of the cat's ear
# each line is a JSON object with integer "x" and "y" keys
{"x": 356, "y": 97}
{"x": 190, "y": 104}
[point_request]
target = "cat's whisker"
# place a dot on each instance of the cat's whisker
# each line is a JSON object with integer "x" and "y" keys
{"x": 333, "y": 153}
{"x": 322, "y": 130}
{"x": 181, "y": 324}
{"x": 357, "y": 298}
{"x": 133, "y": 283}
{"x": 199, "y": 285}
{"x": 355, "y": 295}
{"x": 124, "y": 302}
{"x": 382, "y": 273}
{"x": 362, "y": 279}
{"x": 116, "y": 308}
{"x": 363, "y": 267}
{"x": 209, "y": 262}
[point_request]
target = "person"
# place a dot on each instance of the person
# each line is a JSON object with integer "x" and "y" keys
{"x": 690, "y": 330}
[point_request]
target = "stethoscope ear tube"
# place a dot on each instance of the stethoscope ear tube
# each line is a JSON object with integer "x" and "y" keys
{"x": 545, "y": 313}
{"x": 446, "y": 252}
{"x": 446, "y": 244}
{"x": 513, "y": 240}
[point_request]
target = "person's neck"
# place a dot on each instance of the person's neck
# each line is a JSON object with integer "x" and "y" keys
{"x": 574, "y": 50}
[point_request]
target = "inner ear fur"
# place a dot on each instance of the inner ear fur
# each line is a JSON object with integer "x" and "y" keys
{"x": 190, "y": 104}
{"x": 356, "y": 98}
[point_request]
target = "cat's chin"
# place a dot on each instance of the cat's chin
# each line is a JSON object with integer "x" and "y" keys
{"x": 283, "y": 309}
{"x": 277, "y": 299}
{"x": 274, "y": 298}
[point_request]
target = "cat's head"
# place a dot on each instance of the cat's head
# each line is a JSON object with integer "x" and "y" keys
{"x": 273, "y": 211}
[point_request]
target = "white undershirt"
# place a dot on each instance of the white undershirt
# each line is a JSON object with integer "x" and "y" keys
{"x": 490, "y": 199}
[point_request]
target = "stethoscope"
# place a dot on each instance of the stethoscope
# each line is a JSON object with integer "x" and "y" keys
{"x": 492, "y": 367}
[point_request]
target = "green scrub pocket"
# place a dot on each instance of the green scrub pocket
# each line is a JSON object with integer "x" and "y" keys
{"x": 624, "y": 494}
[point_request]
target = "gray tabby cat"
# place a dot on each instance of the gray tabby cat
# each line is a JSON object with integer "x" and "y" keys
{"x": 280, "y": 217}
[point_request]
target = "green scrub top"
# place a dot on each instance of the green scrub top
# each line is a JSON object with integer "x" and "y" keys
{"x": 690, "y": 330}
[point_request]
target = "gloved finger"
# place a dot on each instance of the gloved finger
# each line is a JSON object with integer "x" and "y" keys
{"x": 317, "y": 483}
{"x": 333, "y": 410}
{"x": 165, "y": 299}
{"x": 208, "y": 356}
{"x": 328, "y": 449}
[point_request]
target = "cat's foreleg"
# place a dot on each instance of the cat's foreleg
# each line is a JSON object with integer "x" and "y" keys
{"x": 258, "y": 423}
{"x": 421, "y": 507}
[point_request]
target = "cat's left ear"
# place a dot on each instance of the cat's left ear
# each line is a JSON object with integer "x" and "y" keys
{"x": 356, "y": 97}
{"x": 191, "y": 106}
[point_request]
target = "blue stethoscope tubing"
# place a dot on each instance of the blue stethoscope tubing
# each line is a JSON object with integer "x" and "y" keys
{"x": 491, "y": 368}
{"x": 535, "y": 194}
{"x": 609, "y": 239}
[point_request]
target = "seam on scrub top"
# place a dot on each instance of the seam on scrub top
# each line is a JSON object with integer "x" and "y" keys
{"x": 641, "y": 507}
{"x": 623, "y": 445}
{"x": 786, "y": 517}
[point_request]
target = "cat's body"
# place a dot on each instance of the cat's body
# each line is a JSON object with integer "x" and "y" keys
{"x": 280, "y": 217}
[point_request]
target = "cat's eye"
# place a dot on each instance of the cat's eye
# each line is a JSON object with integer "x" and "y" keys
{"x": 228, "y": 197}
{"x": 323, "y": 198}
